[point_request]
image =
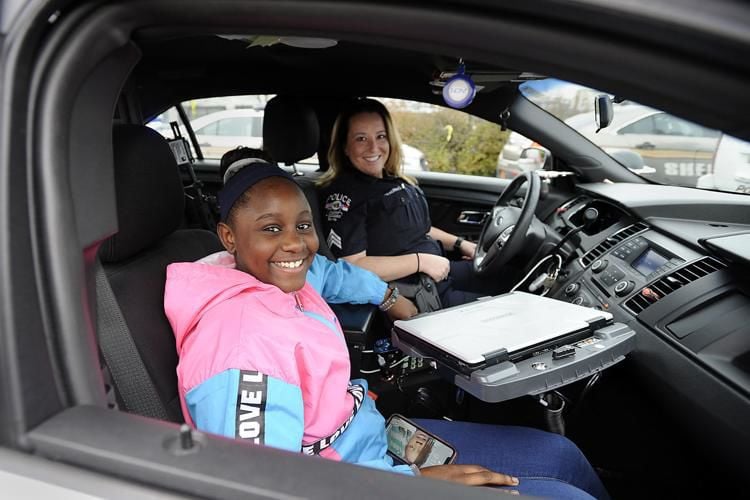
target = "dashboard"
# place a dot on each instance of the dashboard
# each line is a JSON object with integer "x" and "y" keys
{"x": 675, "y": 268}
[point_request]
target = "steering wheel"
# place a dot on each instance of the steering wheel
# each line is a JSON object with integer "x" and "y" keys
{"x": 504, "y": 231}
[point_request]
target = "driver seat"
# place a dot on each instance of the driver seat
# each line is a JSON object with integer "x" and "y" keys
{"x": 291, "y": 133}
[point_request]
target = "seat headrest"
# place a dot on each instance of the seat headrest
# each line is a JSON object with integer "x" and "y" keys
{"x": 290, "y": 130}
{"x": 150, "y": 200}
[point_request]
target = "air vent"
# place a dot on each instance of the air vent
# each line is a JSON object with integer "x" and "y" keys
{"x": 611, "y": 241}
{"x": 671, "y": 282}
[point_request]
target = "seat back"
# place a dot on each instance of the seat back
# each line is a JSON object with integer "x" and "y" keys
{"x": 150, "y": 205}
{"x": 291, "y": 133}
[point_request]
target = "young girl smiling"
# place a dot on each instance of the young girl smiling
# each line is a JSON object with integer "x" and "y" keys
{"x": 263, "y": 358}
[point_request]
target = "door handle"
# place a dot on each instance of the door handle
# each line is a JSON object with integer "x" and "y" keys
{"x": 472, "y": 218}
{"x": 645, "y": 145}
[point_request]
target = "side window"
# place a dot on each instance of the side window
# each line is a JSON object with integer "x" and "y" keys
{"x": 669, "y": 125}
{"x": 240, "y": 126}
{"x": 222, "y": 123}
{"x": 257, "y": 126}
{"x": 440, "y": 139}
{"x": 210, "y": 129}
{"x": 642, "y": 126}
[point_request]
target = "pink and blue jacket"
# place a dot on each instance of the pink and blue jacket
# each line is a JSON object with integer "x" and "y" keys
{"x": 269, "y": 367}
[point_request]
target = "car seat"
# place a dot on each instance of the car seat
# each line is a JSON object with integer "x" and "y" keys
{"x": 291, "y": 133}
{"x": 150, "y": 208}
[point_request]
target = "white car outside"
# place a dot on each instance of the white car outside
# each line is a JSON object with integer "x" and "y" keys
{"x": 510, "y": 162}
{"x": 221, "y": 131}
{"x": 413, "y": 160}
{"x": 678, "y": 151}
{"x": 731, "y": 167}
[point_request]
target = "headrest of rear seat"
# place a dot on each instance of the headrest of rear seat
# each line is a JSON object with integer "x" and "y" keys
{"x": 290, "y": 129}
{"x": 150, "y": 200}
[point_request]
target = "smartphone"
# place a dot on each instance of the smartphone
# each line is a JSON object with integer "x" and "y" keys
{"x": 410, "y": 444}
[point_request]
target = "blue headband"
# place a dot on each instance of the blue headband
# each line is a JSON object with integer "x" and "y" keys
{"x": 243, "y": 180}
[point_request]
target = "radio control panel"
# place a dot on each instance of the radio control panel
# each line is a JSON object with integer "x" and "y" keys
{"x": 612, "y": 277}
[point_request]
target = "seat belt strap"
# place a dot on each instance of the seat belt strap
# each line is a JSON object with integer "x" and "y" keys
{"x": 121, "y": 355}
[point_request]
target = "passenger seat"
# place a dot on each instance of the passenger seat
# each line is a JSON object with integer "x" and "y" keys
{"x": 150, "y": 207}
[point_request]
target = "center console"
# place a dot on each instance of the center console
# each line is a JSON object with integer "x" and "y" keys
{"x": 625, "y": 261}
{"x": 697, "y": 303}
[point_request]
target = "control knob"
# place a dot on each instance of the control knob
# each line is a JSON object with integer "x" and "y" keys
{"x": 581, "y": 301}
{"x": 572, "y": 289}
{"x": 624, "y": 287}
{"x": 599, "y": 265}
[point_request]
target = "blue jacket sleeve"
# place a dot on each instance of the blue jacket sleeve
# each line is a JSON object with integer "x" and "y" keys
{"x": 339, "y": 282}
{"x": 251, "y": 406}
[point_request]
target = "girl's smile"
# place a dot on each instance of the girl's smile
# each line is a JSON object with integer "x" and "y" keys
{"x": 272, "y": 234}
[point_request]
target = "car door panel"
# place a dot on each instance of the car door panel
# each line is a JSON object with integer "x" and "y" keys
{"x": 460, "y": 208}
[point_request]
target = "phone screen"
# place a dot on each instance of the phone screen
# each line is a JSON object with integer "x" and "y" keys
{"x": 410, "y": 444}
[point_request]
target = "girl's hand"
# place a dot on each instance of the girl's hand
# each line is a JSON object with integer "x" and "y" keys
{"x": 436, "y": 266}
{"x": 402, "y": 309}
{"x": 470, "y": 475}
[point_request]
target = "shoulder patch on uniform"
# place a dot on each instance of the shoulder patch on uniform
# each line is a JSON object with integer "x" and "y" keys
{"x": 251, "y": 406}
{"x": 336, "y": 205}
{"x": 333, "y": 240}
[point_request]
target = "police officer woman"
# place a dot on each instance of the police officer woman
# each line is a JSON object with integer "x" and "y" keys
{"x": 378, "y": 218}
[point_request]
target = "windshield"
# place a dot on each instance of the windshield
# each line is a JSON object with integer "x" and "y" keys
{"x": 655, "y": 145}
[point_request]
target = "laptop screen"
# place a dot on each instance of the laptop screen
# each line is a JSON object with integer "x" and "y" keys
{"x": 514, "y": 322}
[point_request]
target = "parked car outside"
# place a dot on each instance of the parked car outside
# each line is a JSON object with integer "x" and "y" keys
{"x": 731, "y": 164}
{"x": 223, "y": 130}
{"x": 413, "y": 159}
{"x": 680, "y": 151}
{"x": 674, "y": 151}
{"x": 509, "y": 161}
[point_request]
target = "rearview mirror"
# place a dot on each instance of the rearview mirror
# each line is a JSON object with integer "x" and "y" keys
{"x": 603, "y": 111}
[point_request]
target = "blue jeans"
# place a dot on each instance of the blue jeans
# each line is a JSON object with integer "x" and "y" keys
{"x": 546, "y": 464}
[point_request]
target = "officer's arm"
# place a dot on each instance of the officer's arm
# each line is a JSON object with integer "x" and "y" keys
{"x": 449, "y": 242}
{"x": 447, "y": 239}
{"x": 388, "y": 268}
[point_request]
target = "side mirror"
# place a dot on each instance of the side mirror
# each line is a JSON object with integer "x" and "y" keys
{"x": 632, "y": 161}
{"x": 534, "y": 158}
{"x": 603, "y": 111}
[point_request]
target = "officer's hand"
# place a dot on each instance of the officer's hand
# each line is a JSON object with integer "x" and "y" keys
{"x": 467, "y": 249}
{"x": 471, "y": 475}
{"x": 402, "y": 309}
{"x": 436, "y": 266}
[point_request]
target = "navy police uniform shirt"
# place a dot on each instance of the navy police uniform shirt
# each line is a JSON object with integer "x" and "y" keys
{"x": 385, "y": 216}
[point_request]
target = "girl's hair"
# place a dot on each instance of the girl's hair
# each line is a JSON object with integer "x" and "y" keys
{"x": 338, "y": 161}
{"x": 241, "y": 153}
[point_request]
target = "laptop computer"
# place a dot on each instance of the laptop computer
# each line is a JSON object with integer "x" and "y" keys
{"x": 505, "y": 327}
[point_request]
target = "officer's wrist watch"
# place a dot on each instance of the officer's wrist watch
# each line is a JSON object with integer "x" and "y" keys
{"x": 457, "y": 244}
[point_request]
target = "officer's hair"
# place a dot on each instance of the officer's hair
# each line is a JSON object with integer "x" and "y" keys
{"x": 337, "y": 159}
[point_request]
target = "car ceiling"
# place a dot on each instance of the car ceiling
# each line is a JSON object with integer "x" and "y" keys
{"x": 689, "y": 62}
{"x": 175, "y": 69}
